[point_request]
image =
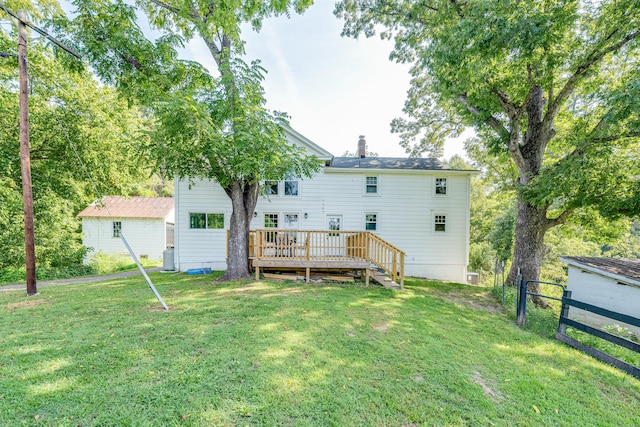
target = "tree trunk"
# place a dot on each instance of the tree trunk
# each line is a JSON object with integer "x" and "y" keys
{"x": 243, "y": 197}
{"x": 529, "y": 249}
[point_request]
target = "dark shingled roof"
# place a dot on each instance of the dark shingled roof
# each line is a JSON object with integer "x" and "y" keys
{"x": 388, "y": 163}
{"x": 626, "y": 267}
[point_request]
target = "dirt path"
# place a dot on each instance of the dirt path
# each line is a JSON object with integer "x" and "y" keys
{"x": 44, "y": 284}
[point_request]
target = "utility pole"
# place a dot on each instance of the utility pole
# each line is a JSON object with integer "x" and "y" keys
{"x": 25, "y": 159}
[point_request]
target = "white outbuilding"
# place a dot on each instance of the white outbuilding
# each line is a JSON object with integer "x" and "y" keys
{"x": 146, "y": 222}
{"x": 609, "y": 283}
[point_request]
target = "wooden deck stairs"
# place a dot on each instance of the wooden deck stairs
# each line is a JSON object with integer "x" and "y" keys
{"x": 384, "y": 280}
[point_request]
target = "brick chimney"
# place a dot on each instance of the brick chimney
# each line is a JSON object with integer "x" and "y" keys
{"x": 362, "y": 147}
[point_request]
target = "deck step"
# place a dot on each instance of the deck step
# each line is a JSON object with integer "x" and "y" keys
{"x": 385, "y": 281}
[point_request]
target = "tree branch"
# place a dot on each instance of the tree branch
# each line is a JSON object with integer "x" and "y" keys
{"x": 593, "y": 58}
{"x": 560, "y": 219}
{"x": 505, "y": 102}
{"x": 166, "y": 6}
{"x": 612, "y": 138}
{"x": 489, "y": 120}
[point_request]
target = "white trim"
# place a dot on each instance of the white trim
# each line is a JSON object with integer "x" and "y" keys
{"x": 304, "y": 142}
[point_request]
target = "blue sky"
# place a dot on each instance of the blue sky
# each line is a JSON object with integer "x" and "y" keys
{"x": 334, "y": 88}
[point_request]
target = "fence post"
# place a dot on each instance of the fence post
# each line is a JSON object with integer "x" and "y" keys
{"x": 521, "y": 313}
{"x": 562, "y": 328}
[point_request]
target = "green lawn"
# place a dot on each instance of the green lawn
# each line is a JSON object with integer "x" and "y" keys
{"x": 264, "y": 353}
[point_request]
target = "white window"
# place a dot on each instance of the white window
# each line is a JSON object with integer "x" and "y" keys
{"x": 197, "y": 220}
{"x": 206, "y": 220}
{"x": 215, "y": 221}
{"x": 440, "y": 223}
{"x": 371, "y": 222}
{"x": 290, "y": 185}
{"x": 441, "y": 186}
{"x": 371, "y": 185}
{"x": 271, "y": 220}
{"x": 334, "y": 222}
{"x": 117, "y": 228}
{"x": 271, "y": 188}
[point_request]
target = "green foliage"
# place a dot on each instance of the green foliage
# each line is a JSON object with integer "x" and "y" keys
{"x": 287, "y": 354}
{"x": 206, "y": 124}
{"x": 552, "y": 89}
{"x": 196, "y": 139}
{"x": 70, "y": 115}
{"x": 482, "y": 259}
{"x": 102, "y": 263}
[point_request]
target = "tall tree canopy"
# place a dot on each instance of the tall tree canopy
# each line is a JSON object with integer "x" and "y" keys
{"x": 210, "y": 125}
{"x": 554, "y": 85}
{"x": 71, "y": 116}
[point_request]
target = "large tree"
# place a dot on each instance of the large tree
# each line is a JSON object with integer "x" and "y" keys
{"x": 553, "y": 85}
{"x": 211, "y": 125}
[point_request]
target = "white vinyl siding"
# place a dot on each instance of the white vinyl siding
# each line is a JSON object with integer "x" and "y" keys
{"x": 146, "y": 236}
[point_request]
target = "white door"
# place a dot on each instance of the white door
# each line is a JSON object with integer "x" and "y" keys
{"x": 289, "y": 238}
{"x": 335, "y": 241}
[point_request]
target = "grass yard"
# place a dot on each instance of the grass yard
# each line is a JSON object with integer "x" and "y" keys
{"x": 287, "y": 354}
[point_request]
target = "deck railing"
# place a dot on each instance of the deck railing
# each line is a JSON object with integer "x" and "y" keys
{"x": 327, "y": 245}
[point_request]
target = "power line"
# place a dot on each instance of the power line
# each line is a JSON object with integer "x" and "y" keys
{"x": 40, "y": 31}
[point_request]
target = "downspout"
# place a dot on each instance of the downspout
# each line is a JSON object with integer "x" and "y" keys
{"x": 176, "y": 221}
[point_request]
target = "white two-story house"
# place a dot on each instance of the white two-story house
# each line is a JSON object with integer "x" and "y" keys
{"x": 417, "y": 204}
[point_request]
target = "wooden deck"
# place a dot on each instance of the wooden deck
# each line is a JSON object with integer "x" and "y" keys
{"x": 323, "y": 250}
